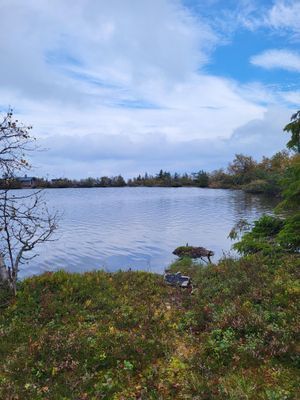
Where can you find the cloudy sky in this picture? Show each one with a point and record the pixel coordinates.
(128, 86)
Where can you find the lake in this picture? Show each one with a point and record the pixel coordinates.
(138, 228)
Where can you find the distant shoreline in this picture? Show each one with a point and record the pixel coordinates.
(123, 187)
(244, 173)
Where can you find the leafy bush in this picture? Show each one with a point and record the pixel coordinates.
(267, 186)
(262, 237)
(289, 236)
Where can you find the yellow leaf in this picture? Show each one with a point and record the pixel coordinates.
(88, 303)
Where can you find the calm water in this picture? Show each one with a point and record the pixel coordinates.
(138, 228)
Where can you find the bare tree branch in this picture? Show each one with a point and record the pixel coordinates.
(15, 143)
(25, 221)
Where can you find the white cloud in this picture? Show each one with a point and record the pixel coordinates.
(82, 68)
(122, 84)
(292, 97)
(281, 59)
(284, 15)
(117, 43)
(113, 154)
(280, 18)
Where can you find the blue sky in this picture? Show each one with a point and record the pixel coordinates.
(232, 61)
(129, 86)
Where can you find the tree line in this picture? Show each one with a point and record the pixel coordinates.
(242, 173)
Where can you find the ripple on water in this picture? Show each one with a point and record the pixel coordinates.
(139, 228)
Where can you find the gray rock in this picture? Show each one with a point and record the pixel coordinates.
(177, 280)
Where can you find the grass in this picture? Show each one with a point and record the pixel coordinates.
(129, 336)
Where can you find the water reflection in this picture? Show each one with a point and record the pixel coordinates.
(138, 228)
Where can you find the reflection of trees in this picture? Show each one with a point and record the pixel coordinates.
(246, 203)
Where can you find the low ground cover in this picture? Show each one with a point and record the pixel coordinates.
(129, 336)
